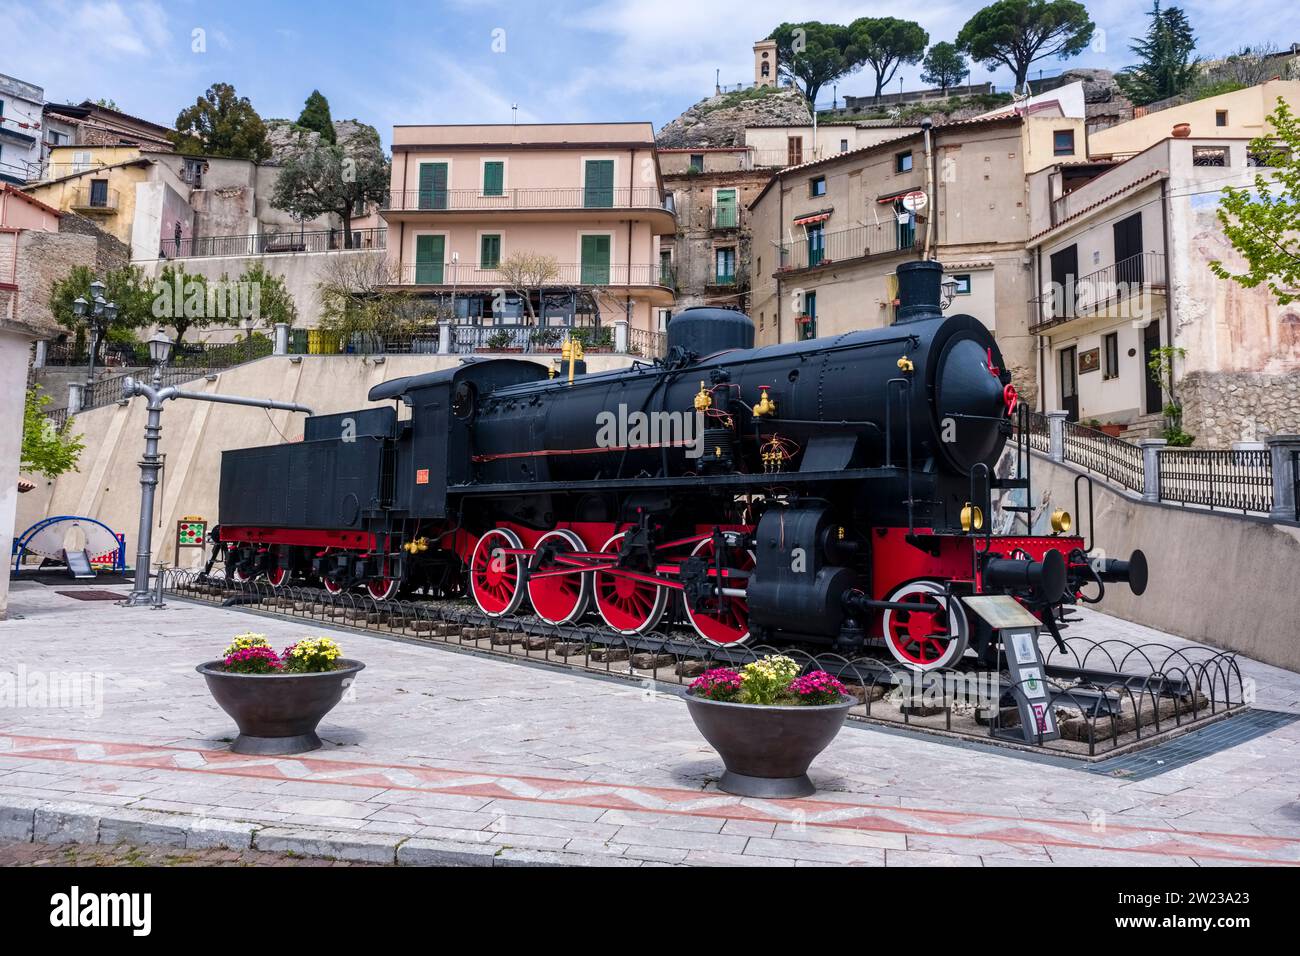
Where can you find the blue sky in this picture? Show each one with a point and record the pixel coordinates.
(462, 61)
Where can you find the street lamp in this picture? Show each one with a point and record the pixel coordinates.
(100, 315)
(160, 350)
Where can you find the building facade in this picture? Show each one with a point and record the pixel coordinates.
(546, 225)
(1122, 265)
(828, 235)
(20, 128)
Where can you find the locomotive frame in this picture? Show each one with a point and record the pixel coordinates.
(829, 491)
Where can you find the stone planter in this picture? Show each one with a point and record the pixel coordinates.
(767, 749)
(278, 713)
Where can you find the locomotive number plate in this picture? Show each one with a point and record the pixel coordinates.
(422, 476)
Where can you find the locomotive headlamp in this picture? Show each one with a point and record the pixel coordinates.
(1061, 521)
(972, 516)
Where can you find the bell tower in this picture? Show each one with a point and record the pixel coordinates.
(765, 63)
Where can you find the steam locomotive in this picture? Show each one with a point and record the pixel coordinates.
(831, 490)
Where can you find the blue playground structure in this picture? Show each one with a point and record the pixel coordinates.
(48, 538)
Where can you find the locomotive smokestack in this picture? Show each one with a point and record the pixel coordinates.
(918, 291)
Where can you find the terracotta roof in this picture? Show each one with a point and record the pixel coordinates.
(1153, 174)
(7, 188)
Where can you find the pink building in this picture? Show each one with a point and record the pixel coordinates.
(557, 221)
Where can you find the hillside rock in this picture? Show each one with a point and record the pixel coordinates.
(721, 120)
(287, 138)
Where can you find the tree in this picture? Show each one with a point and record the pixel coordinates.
(814, 54)
(944, 66)
(1248, 65)
(359, 295)
(316, 115)
(334, 179)
(46, 449)
(127, 288)
(524, 272)
(886, 43)
(1016, 33)
(221, 123)
(1263, 222)
(1167, 66)
(274, 301)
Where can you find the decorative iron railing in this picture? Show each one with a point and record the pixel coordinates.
(1090, 294)
(856, 242)
(1113, 458)
(562, 275)
(1231, 480)
(273, 243)
(1038, 432)
(646, 343)
(546, 197)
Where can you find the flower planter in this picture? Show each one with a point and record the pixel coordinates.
(277, 713)
(767, 749)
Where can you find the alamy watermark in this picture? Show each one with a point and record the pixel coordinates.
(59, 690)
(638, 429)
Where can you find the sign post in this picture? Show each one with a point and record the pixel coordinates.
(1017, 631)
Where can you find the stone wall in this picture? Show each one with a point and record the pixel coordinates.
(43, 258)
(1220, 408)
(110, 252)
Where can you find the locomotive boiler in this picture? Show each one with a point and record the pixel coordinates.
(829, 490)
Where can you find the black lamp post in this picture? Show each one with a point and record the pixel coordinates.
(99, 314)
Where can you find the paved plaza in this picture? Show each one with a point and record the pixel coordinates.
(446, 757)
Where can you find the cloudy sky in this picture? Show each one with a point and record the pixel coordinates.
(462, 61)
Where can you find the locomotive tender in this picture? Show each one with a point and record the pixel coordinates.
(829, 490)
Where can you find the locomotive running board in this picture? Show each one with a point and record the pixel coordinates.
(761, 480)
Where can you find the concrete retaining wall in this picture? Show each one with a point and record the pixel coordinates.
(1223, 580)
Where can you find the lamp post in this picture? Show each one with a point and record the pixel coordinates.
(99, 314)
(160, 349)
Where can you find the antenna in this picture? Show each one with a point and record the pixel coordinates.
(514, 114)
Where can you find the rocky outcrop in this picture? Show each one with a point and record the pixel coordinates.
(287, 138)
(721, 120)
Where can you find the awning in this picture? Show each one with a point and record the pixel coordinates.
(894, 197)
(813, 217)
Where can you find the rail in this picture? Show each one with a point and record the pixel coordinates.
(856, 242)
(1037, 432)
(531, 198)
(1086, 295)
(274, 243)
(1110, 457)
(1237, 480)
(571, 274)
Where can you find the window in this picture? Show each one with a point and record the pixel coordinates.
(725, 209)
(962, 284)
(767, 68)
(599, 183)
(903, 162)
(1063, 142)
(494, 178)
(697, 162)
(844, 146)
(1110, 355)
(433, 186)
(99, 192)
(816, 243)
(808, 320)
(665, 267)
(595, 260)
(1220, 117)
(193, 173)
(429, 253)
(817, 186)
(793, 150)
(55, 138)
(489, 251)
(1209, 156)
(725, 272)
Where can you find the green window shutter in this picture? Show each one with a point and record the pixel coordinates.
(428, 259)
(433, 186)
(494, 178)
(599, 191)
(725, 214)
(489, 255)
(595, 260)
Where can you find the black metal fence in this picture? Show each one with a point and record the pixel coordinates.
(271, 243)
(1111, 457)
(1230, 480)
(1038, 432)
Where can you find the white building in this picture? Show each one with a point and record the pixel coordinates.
(20, 128)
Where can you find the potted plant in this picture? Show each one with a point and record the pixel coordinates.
(767, 723)
(277, 700)
(498, 341)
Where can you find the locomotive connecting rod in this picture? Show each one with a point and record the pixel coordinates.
(150, 463)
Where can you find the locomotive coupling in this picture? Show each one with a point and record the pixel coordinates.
(1046, 578)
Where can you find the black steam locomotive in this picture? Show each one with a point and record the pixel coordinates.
(828, 490)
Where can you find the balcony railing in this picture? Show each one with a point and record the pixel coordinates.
(857, 242)
(565, 274)
(527, 198)
(726, 217)
(779, 158)
(94, 200)
(467, 339)
(270, 243)
(1104, 289)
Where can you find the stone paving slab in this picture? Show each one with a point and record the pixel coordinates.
(441, 758)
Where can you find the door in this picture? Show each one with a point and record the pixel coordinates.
(1065, 269)
(793, 150)
(595, 260)
(1128, 250)
(598, 186)
(1150, 343)
(816, 244)
(99, 192)
(433, 186)
(428, 259)
(1069, 377)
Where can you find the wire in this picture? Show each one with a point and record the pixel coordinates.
(282, 435)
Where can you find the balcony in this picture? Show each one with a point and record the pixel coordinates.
(1117, 291)
(272, 243)
(566, 275)
(726, 217)
(93, 201)
(532, 203)
(848, 245)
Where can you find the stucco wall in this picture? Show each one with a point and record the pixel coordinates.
(194, 434)
(1223, 580)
